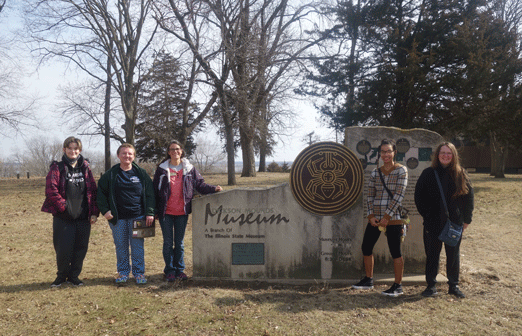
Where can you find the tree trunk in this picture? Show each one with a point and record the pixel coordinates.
(499, 156)
(231, 152)
(107, 126)
(249, 160)
(106, 114)
(262, 156)
(130, 126)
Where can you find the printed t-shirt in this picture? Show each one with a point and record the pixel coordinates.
(176, 203)
(128, 192)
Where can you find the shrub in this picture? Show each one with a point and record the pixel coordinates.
(274, 168)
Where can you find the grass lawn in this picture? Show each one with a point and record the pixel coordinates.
(491, 271)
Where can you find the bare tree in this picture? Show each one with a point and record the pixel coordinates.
(257, 41)
(311, 138)
(41, 151)
(83, 104)
(189, 25)
(207, 155)
(94, 35)
(16, 106)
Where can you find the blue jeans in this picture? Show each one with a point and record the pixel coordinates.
(173, 244)
(122, 235)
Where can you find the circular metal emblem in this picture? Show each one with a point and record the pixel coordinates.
(326, 178)
(403, 145)
(412, 163)
(363, 147)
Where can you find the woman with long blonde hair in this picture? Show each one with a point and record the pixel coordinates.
(459, 198)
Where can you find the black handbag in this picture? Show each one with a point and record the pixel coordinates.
(451, 233)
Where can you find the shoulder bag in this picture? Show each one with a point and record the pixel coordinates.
(451, 233)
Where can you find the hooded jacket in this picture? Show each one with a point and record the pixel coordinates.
(192, 179)
(55, 188)
(106, 185)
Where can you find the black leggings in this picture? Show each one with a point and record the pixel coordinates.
(372, 234)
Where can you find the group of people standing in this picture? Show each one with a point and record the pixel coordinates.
(124, 194)
(386, 190)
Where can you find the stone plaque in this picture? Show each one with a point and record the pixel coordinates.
(248, 254)
(403, 146)
(326, 178)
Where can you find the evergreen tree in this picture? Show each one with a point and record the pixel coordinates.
(399, 71)
(162, 101)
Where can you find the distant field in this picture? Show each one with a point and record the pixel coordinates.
(491, 278)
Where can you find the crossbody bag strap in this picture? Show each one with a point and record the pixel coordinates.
(384, 184)
(403, 212)
(441, 193)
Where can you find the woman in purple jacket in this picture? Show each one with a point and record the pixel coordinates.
(174, 183)
(70, 195)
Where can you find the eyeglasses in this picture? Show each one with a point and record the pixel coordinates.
(174, 149)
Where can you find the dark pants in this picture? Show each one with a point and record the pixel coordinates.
(70, 239)
(433, 247)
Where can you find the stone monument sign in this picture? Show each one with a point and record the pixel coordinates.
(301, 230)
(312, 227)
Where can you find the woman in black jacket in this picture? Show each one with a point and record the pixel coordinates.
(459, 198)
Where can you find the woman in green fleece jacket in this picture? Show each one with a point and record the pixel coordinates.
(125, 196)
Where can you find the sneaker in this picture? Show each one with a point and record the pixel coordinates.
(394, 291)
(454, 290)
(122, 278)
(182, 276)
(429, 291)
(171, 277)
(140, 279)
(75, 281)
(58, 282)
(365, 283)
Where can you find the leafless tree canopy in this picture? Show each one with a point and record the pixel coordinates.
(207, 155)
(255, 42)
(86, 33)
(16, 106)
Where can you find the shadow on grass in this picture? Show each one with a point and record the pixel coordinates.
(153, 281)
(286, 298)
(38, 286)
(297, 298)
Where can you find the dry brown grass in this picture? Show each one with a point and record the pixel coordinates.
(491, 271)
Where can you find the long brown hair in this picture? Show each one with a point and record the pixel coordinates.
(456, 171)
(167, 156)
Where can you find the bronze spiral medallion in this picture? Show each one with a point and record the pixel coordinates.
(326, 178)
